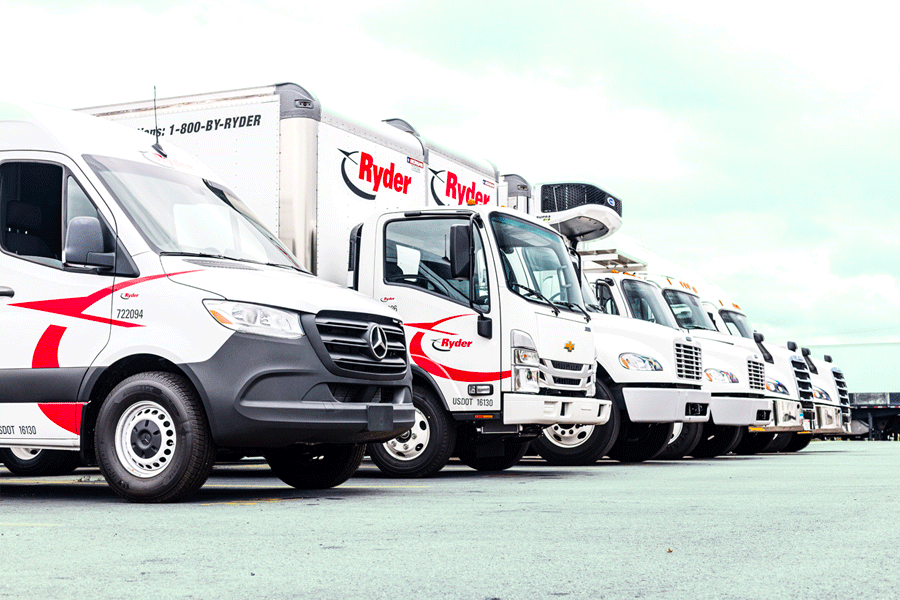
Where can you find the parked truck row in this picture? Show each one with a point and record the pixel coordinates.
(343, 287)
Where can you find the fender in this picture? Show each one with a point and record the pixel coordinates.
(421, 374)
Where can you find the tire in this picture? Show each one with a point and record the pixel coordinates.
(717, 440)
(778, 442)
(423, 450)
(753, 443)
(513, 451)
(579, 445)
(315, 466)
(683, 443)
(638, 442)
(152, 439)
(33, 462)
(797, 443)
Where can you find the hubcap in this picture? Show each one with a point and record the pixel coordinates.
(411, 444)
(568, 436)
(25, 453)
(145, 439)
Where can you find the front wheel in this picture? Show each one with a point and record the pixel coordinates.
(638, 442)
(513, 451)
(684, 438)
(798, 442)
(315, 466)
(423, 450)
(579, 445)
(34, 462)
(152, 439)
(717, 440)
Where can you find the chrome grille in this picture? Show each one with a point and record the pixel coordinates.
(802, 377)
(757, 374)
(841, 384)
(688, 361)
(344, 338)
(566, 376)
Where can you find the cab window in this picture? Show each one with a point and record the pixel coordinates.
(605, 299)
(416, 254)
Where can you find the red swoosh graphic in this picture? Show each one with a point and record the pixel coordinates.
(417, 353)
(66, 415)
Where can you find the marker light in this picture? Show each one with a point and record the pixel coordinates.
(255, 319)
(639, 362)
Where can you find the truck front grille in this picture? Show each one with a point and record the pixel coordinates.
(802, 377)
(841, 384)
(757, 374)
(567, 377)
(688, 361)
(345, 340)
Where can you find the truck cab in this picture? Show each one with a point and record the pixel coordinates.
(148, 320)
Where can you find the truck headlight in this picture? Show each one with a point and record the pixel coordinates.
(820, 394)
(775, 386)
(255, 318)
(525, 356)
(639, 362)
(526, 380)
(719, 376)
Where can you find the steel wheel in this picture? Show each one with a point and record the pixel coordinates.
(410, 444)
(145, 439)
(25, 453)
(568, 436)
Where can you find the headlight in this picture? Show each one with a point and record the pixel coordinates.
(638, 362)
(255, 318)
(775, 386)
(820, 394)
(719, 376)
(526, 380)
(523, 356)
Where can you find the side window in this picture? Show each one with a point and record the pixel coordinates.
(605, 299)
(416, 254)
(37, 201)
(31, 210)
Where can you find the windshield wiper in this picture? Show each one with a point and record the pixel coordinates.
(576, 306)
(198, 254)
(536, 295)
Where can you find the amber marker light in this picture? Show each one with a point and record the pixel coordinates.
(220, 317)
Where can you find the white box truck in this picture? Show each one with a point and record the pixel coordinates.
(498, 337)
(148, 319)
(652, 372)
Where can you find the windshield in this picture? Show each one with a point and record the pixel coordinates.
(180, 213)
(536, 262)
(737, 323)
(687, 310)
(646, 303)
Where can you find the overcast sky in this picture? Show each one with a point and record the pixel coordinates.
(758, 145)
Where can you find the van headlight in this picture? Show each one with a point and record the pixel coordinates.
(526, 375)
(255, 318)
(775, 386)
(720, 376)
(639, 362)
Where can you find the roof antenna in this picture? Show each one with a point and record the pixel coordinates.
(156, 146)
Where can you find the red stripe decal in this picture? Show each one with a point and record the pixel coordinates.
(445, 372)
(67, 415)
(46, 354)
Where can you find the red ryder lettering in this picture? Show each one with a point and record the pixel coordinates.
(462, 193)
(385, 177)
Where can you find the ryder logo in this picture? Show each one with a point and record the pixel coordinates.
(375, 176)
(463, 193)
(446, 345)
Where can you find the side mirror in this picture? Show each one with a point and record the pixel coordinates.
(758, 337)
(792, 346)
(460, 251)
(84, 244)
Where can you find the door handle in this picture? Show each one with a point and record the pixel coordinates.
(8, 292)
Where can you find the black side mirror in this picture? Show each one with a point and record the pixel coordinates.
(792, 346)
(84, 244)
(758, 337)
(460, 251)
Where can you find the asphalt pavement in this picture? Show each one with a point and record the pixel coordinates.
(821, 523)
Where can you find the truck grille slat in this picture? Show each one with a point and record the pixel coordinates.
(757, 375)
(841, 383)
(802, 378)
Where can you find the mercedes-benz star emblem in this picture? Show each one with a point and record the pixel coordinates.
(378, 346)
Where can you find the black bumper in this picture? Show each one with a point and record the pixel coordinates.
(262, 392)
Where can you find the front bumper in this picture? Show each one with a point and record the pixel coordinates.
(740, 411)
(829, 420)
(788, 416)
(267, 393)
(665, 405)
(535, 409)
